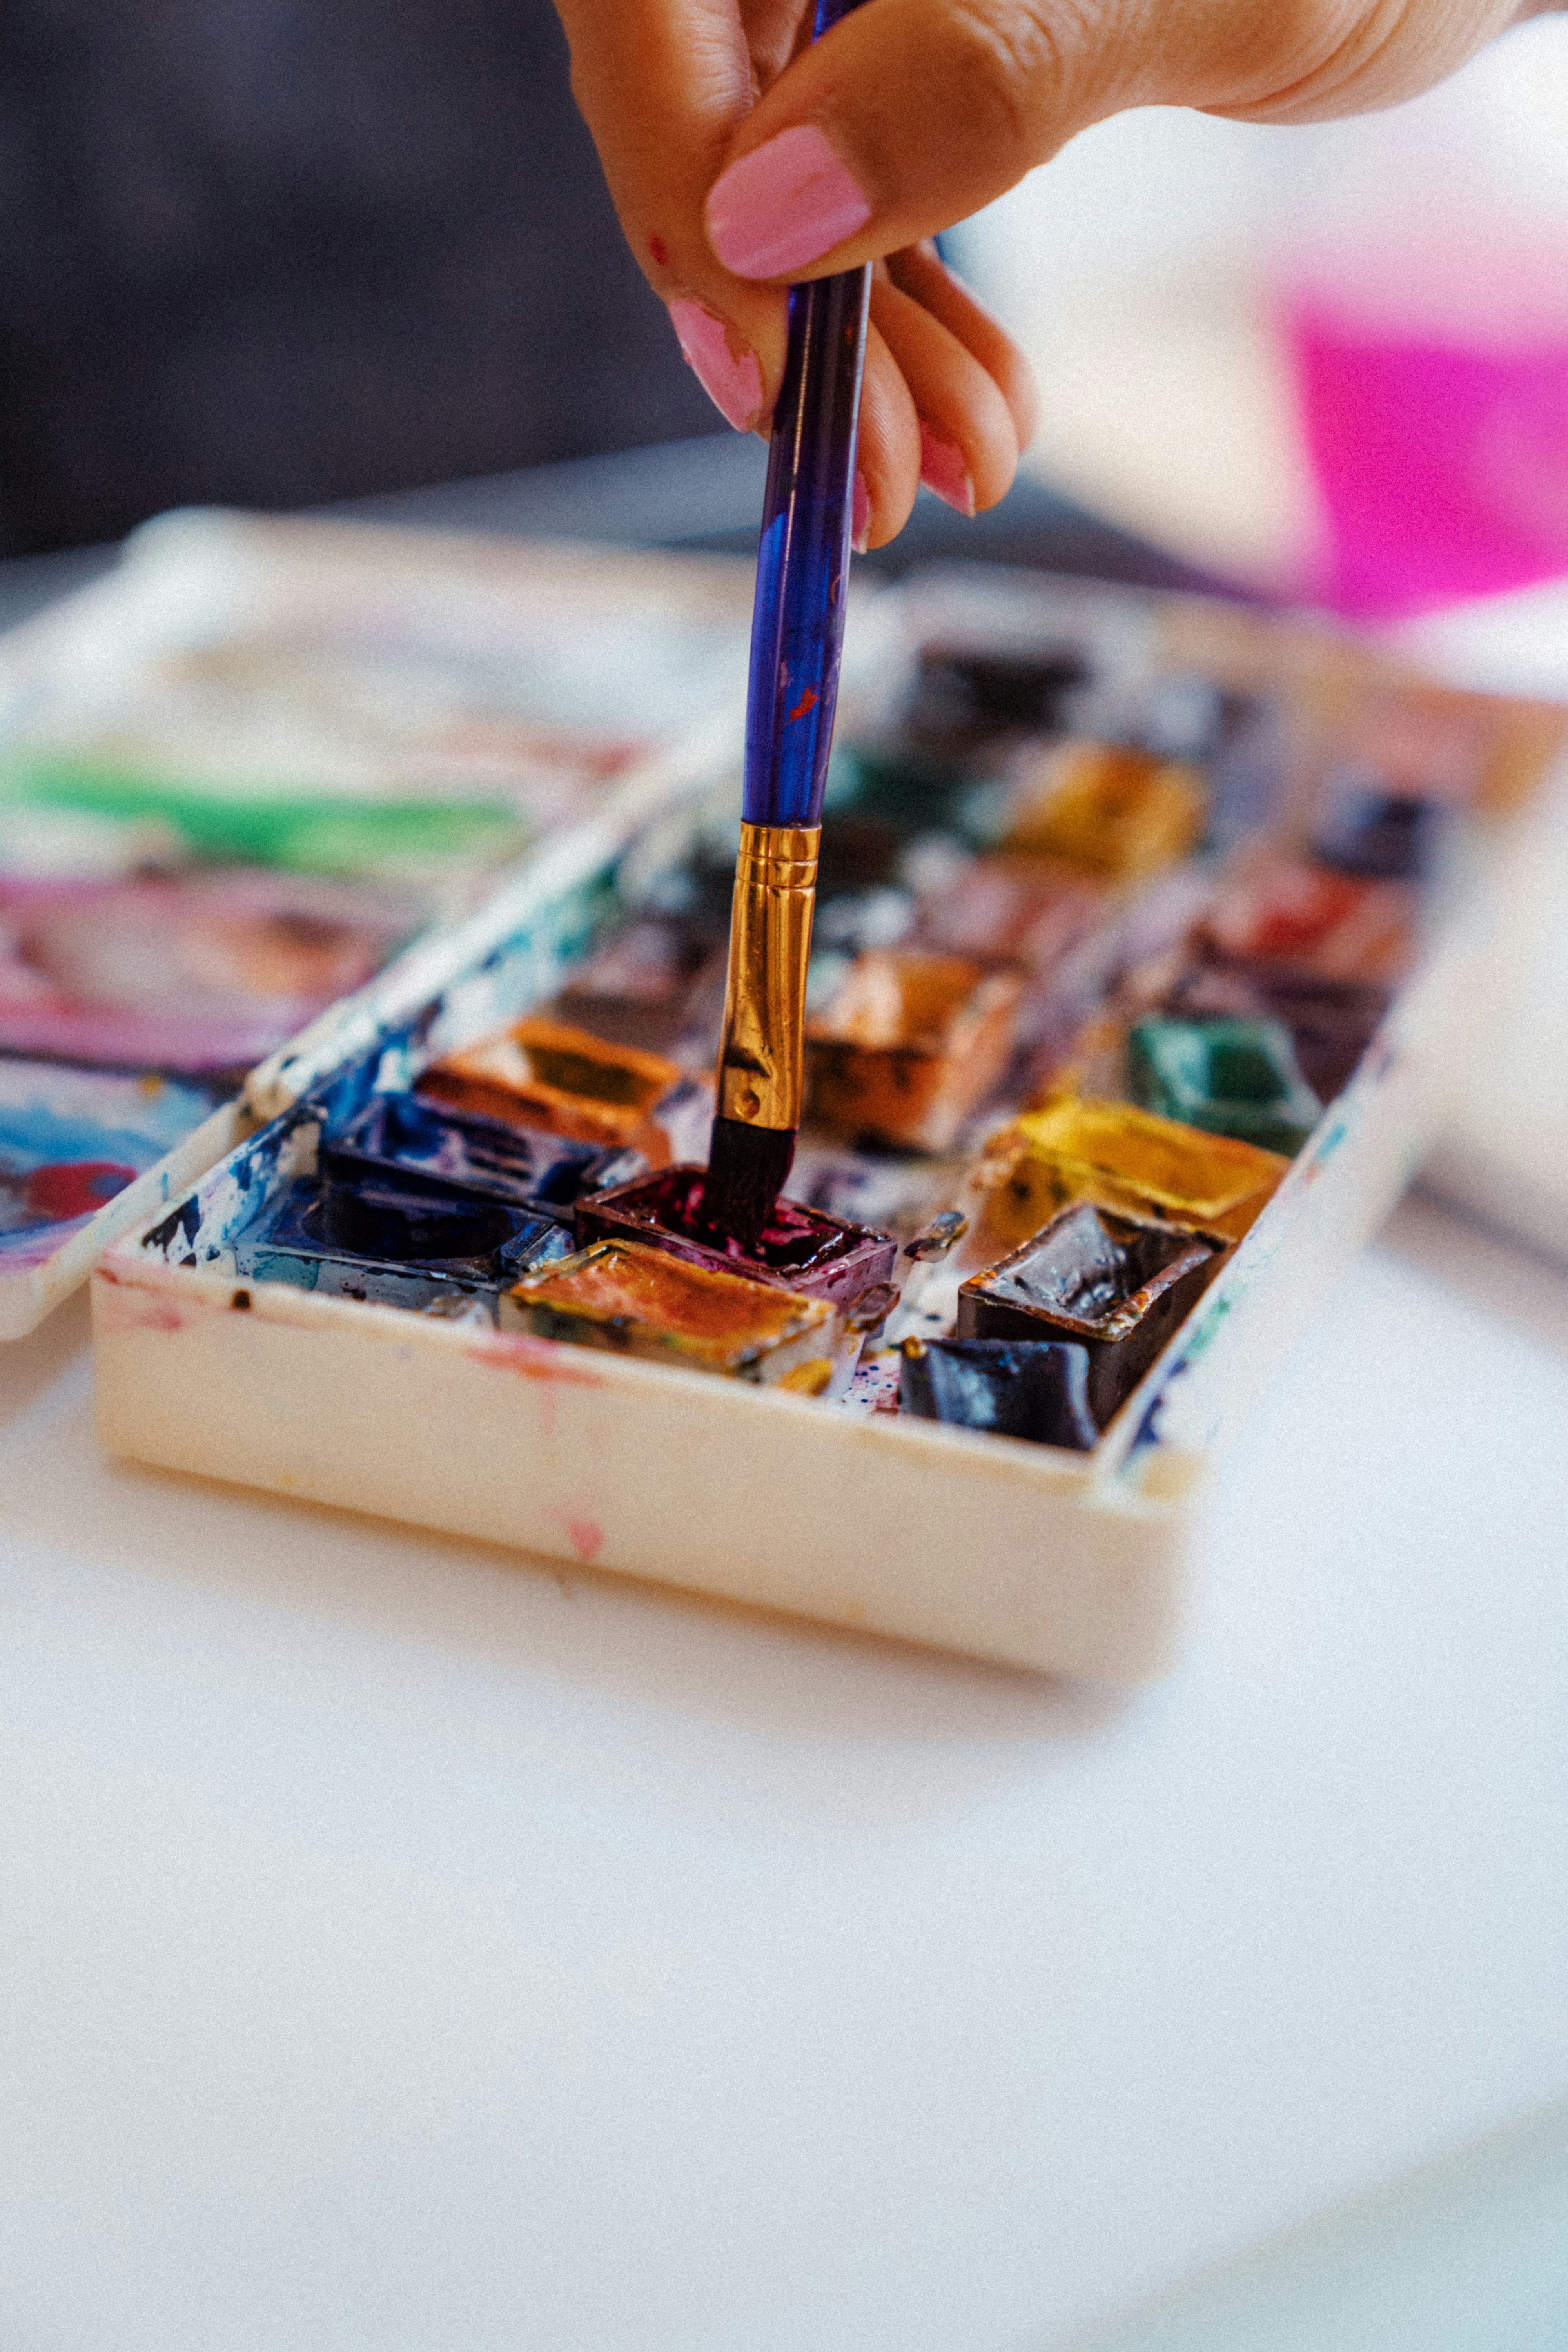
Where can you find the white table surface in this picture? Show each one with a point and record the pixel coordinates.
(407, 1946)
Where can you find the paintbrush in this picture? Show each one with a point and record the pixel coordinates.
(797, 637)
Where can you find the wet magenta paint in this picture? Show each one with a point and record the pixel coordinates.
(799, 1248)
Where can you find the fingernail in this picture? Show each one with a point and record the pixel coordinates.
(860, 515)
(783, 204)
(942, 470)
(724, 364)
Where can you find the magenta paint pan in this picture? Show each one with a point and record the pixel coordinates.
(801, 1249)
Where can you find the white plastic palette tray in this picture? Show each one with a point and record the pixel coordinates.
(250, 655)
(1075, 1563)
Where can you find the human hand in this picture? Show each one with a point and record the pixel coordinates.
(741, 156)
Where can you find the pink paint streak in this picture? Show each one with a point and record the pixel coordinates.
(535, 1359)
(123, 1307)
(585, 1535)
(724, 364)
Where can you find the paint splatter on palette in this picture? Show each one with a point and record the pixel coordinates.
(243, 775)
(195, 974)
(72, 1140)
(1141, 967)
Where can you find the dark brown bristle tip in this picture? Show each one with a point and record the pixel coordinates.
(747, 1166)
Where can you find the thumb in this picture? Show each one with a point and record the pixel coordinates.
(911, 114)
(907, 115)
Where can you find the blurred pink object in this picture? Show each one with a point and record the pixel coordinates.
(1434, 391)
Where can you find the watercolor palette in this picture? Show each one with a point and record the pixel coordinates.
(245, 773)
(1131, 1019)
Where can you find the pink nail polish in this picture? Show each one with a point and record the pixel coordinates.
(783, 204)
(860, 515)
(726, 367)
(942, 470)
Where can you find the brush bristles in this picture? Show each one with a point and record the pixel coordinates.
(747, 1166)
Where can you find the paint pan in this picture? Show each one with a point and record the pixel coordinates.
(1024, 910)
(1106, 808)
(918, 786)
(1033, 1389)
(403, 1138)
(637, 1301)
(1289, 910)
(800, 1248)
(971, 692)
(1236, 1077)
(1125, 1159)
(549, 1074)
(1116, 1286)
(658, 986)
(1384, 836)
(908, 1048)
(393, 1246)
(1331, 1022)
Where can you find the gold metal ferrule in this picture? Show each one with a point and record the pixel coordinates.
(761, 1060)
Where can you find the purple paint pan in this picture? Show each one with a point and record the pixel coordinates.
(800, 1249)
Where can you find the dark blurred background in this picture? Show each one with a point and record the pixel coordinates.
(279, 252)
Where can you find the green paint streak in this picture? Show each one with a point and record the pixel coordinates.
(309, 833)
(1207, 1331)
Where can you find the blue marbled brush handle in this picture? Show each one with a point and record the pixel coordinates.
(803, 563)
